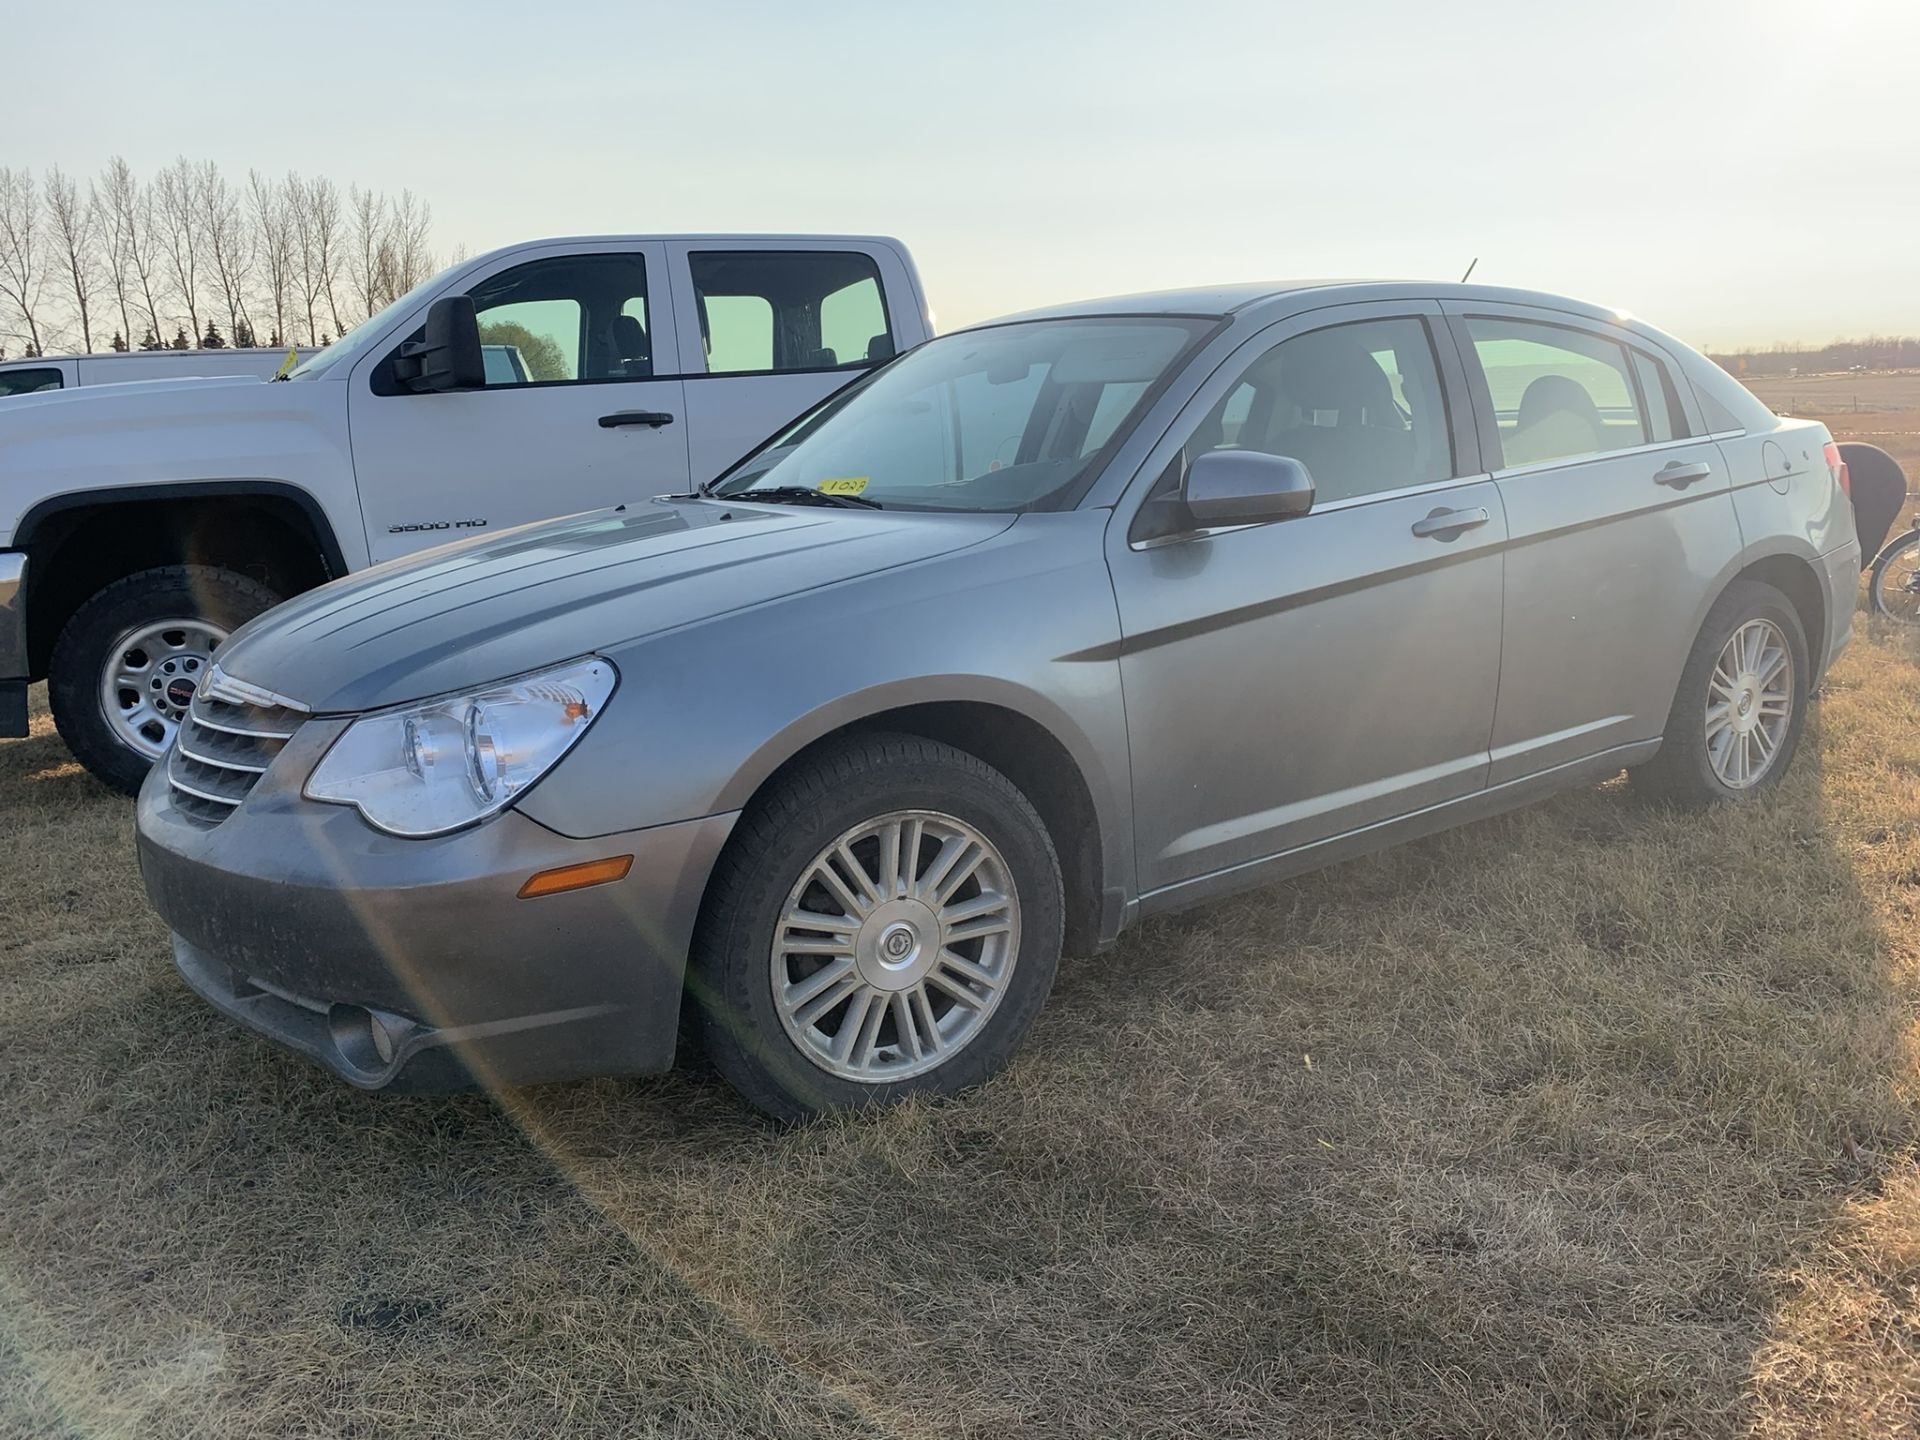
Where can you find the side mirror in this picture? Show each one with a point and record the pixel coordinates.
(448, 357)
(1246, 487)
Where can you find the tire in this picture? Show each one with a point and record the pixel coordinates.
(779, 1057)
(207, 601)
(1684, 770)
(1895, 568)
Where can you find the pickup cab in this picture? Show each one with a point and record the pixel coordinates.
(141, 524)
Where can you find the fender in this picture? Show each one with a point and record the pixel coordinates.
(43, 510)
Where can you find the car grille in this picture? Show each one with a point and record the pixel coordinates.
(222, 749)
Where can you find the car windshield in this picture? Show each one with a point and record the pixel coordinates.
(368, 330)
(1010, 417)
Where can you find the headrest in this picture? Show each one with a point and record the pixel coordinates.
(629, 338)
(1331, 373)
(879, 348)
(1557, 395)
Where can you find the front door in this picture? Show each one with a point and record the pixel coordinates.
(1293, 681)
(572, 417)
(1621, 519)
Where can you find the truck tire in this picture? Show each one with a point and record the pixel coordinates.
(125, 664)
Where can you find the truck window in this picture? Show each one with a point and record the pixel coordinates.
(570, 318)
(29, 382)
(779, 310)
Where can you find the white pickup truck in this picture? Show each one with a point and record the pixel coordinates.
(140, 524)
(40, 374)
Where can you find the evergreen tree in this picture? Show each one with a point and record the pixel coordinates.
(275, 341)
(325, 339)
(119, 346)
(180, 340)
(32, 352)
(151, 341)
(243, 334)
(213, 339)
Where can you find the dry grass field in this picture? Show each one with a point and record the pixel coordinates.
(1594, 1120)
(1879, 407)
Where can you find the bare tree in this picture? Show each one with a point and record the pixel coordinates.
(180, 234)
(272, 225)
(231, 244)
(412, 223)
(328, 233)
(133, 242)
(75, 233)
(367, 215)
(20, 274)
(110, 219)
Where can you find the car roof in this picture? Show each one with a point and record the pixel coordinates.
(1282, 296)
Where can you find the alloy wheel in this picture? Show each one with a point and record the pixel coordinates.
(895, 946)
(1749, 704)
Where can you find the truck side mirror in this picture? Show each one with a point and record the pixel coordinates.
(448, 356)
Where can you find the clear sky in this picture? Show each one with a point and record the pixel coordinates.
(1736, 171)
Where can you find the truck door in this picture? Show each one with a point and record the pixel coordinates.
(771, 327)
(575, 413)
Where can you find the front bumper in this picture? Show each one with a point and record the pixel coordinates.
(15, 669)
(412, 964)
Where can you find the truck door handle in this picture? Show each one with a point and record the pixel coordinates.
(652, 419)
(1680, 474)
(1445, 524)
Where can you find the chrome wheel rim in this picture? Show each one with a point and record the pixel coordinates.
(1749, 704)
(147, 681)
(895, 946)
(1896, 590)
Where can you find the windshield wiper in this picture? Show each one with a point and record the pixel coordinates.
(801, 495)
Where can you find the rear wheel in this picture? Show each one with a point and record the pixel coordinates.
(1893, 586)
(1737, 717)
(885, 922)
(125, 666)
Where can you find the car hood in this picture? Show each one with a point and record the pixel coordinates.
(480, 610)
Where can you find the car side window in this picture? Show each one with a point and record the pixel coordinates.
(1665, 419)
(1559, 393)
(775, 310)
(570, 318)
(29, 382)
(1360, 405)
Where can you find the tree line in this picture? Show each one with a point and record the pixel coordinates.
(1875, 352)
(165, 263)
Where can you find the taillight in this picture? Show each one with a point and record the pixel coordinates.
(1837, 468)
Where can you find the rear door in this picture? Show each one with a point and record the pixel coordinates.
(1289, 682)
(770, 328)
(1620, 521)
(575, 413)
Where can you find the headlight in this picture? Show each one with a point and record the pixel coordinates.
(430, 768)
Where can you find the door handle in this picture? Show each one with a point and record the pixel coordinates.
(652, 419)
(1680, 474)
(1445, 524)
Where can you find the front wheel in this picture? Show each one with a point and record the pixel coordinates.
(124, 668)
(885, 922)
(1737, 717)
(1893, 586)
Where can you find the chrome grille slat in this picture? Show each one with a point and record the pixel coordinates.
(220, 752)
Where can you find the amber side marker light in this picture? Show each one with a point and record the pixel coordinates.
(577, 877)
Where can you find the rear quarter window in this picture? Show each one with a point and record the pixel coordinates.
(1725, 403)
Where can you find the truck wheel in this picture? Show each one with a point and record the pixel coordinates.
(1742, 703)
(885, 922)
(124, 667)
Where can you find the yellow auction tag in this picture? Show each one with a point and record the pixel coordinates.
(847, 485)
(293, 359)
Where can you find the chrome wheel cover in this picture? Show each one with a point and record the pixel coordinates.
(1749, 704)
(895, 946)
(148, 677)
